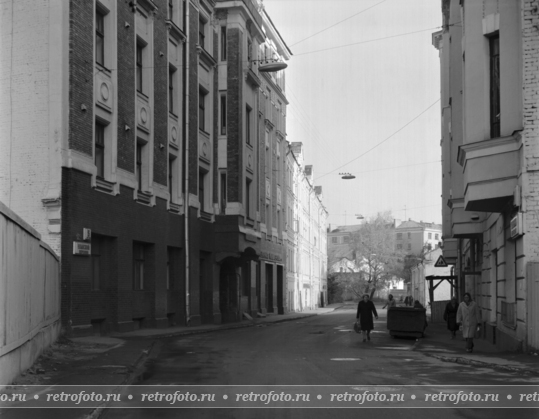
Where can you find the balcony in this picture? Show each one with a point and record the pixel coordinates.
(465, 224)
(450, 250)
(490, 172)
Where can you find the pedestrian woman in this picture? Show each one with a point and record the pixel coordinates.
(365, 310)
(469, 315)
(450, 316)
(390, 302)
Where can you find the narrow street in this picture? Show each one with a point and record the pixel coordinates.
(321, 350)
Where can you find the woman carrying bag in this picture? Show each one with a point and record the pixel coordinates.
(365, 310)
(469, 315)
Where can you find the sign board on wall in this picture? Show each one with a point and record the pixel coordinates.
(82, 248)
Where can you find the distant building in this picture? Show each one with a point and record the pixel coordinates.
(412, 237)
(341, 255)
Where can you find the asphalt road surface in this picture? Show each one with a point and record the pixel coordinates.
(317, 351)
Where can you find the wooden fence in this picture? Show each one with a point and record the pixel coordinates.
(29, 295)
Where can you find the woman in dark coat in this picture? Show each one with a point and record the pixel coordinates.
(365, 310)
(450, 316)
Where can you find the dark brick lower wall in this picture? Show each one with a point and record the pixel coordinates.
(119, 221)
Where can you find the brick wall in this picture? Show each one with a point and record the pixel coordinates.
(160, 73)
(530, 183)
(126, 88)
(122, 221)
(81, 76)
(193, 100)
(234, 109)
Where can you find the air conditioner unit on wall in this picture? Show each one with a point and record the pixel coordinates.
(516, 226)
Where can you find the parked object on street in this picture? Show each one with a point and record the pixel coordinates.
(450, 316)
(469, 315)
(407, 321)
(365, 311)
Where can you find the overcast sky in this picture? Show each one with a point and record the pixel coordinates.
(347, 99)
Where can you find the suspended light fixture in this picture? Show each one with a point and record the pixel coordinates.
(346, 176)
(271, 66)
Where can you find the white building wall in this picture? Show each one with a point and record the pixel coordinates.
(33, 111)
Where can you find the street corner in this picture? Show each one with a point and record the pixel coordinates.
(63, 357)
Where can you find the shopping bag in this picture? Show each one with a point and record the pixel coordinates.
(357, 329)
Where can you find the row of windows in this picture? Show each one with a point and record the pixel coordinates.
(436, 236)
(143, 259)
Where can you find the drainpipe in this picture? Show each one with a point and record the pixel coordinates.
(186, 163)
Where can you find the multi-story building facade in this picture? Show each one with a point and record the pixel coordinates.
(412, 237)
(488, 54)
(150, 152)
(308, 218)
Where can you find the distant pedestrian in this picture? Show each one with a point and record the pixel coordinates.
(408, 300)
(390, 302)
(365, 310)
(417, 304)
(469, 315)
(450, 316)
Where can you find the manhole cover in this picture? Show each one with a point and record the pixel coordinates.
(345, 359)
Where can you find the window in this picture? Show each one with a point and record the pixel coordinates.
(171, 10)
(409, 235)
(170, 268)
(99, 153)
(249, 51)
(346, 239)
(202, 109)
(430, 236)
(399, 246)
(171, 176)
(223, 43)
(100, 37)
(140, 147)
(494, 49)
(171, 87)
(138, 266)
(223, 114)
(201, 191)
(399, 236)
(334, 240)
(436, 237)
(409, 246)
(202, 33)
(139, 59)
(248, 125)
(248, 198)
(95, 264)
(223, 193)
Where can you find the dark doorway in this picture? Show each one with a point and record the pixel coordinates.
(228, 292)
(280, 290)
(269, 288)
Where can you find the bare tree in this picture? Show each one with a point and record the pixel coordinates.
(374, 246)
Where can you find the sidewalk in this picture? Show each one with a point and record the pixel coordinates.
(438, 344)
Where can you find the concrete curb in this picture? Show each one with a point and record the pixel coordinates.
(220, 328)
(129, 379)
(466, 361)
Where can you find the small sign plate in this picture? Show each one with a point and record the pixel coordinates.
(82, 248)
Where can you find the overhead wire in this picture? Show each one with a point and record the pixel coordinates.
(383, 141)
(338, 23)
